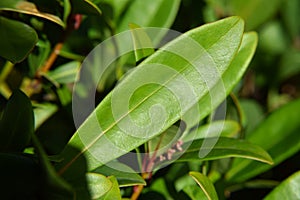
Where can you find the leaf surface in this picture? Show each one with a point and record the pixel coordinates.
(167, 84)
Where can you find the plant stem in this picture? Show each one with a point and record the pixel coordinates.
(240, 113)
(51, 59)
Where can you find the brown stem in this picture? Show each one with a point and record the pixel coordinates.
(51, 59)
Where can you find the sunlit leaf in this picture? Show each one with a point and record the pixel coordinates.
(122, 137)
(288, 189)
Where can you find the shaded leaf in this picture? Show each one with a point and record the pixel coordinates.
(99, 185)
(15, 47)
(281, 140)
(123, 173)
(42, 112)
(205, 184)
(17, 123)
(65, 73)
(85, 7)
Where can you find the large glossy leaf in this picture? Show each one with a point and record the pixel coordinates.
(224, 148)
(205, 184)
(281, 140)
(28, 8)
(17, 123)
(149, 13)
(120, 122)
(288, 189)
(232, 75)
(15, 46)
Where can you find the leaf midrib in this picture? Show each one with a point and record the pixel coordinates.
(142, 101)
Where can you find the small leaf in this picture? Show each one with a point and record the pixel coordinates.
(281, 140)
(143, 46)
(17, 123)
(28, 8)
(123, 173)
(288, 189)
(205, 184)
(65, 73)
(114, 193)
(224, 148)
(99, 185)
(42, 112)
(15, 47)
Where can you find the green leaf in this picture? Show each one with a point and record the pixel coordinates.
(17, 123)
(114, 192)
(214, 129)
(224, 148)
(205, 184)
(28, 8)
(149, 13)
(214, 44)
(85, 7)
(99, 185)
(254, 12)
(125, 175)
(231, 76)
(15, 47)
(54, 187)
(288, 189)
(194, 193)
(65, 73)
(281, 140)
(42, 112)
(143, 46)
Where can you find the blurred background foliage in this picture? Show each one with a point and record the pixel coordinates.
(44, 42)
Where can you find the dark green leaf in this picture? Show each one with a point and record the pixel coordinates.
(85, 7)
(278, 134)
(123, 173)
(17, 123)
(205, 184)
(15, 46)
